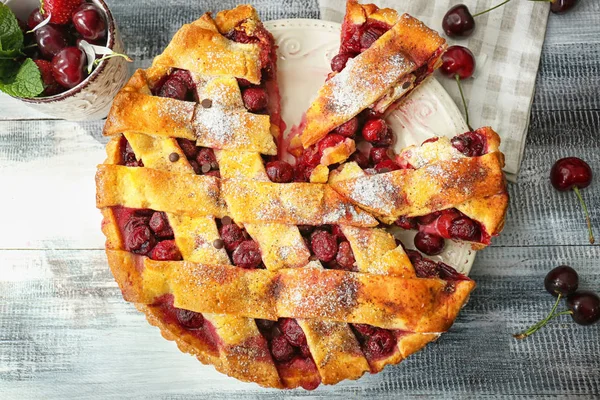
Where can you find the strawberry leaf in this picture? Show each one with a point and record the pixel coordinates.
(26, 82)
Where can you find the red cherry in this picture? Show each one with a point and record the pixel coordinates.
(280, 172)
(232, 236)
(247, 255)
(338, 63)
(34, 18)
(379, 154)
(359, 158)
(370, 36)
(89, 22)
(375, 130)
(429, 243)
(68, 67)
(189, 319)
(166, 251)
(292, 332)
(568, 173)
(255, 99)
(458, 21)
(458, 60)
(348, 128)
(50, 41)
(386, 166)
(573, 173)
(189, 148)
(345, 256)
(585, 307)
(324, 245)
(465, 228)
(561, 6)
(281, 349)
(330, 140)
(561, 280)
(405, 222)
(160, 225)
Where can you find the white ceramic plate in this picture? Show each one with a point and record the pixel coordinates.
(306, 47)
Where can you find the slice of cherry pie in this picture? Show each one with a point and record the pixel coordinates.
(270, 278)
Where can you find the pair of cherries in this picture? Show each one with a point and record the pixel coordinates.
(458, 62)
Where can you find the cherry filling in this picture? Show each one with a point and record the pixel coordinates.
(178, 85)
(147, 232)
(201, 159)
(449, 224)
(243, 251)
(128, 157)
(426, 268)
(356, 39)
(376, 343)
(192, 322)
(328, 244)
(471, 144)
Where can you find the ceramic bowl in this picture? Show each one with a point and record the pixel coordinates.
(92, 98)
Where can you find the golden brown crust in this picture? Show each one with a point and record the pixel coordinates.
(431, 188)
(411, 304)
(292, 203)
(408, 45)
(197, 195)
(200, 48)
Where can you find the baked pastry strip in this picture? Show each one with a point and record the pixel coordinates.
(382, 301)
(199, 47)
(431, 188)
(292, 203)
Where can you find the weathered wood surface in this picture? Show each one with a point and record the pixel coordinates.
(65, 332)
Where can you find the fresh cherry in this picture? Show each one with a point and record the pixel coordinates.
(561, 280)
(584, 307)
(35, 18)
(458, 21)
(50, 41)
(68, 67)
(458, 61)
(89, 22)
(573, 173)
(280, 172)
(429, 243)
(561, 6)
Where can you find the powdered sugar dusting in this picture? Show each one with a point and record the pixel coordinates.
(361, 82)
(376, 192)
(217, 127)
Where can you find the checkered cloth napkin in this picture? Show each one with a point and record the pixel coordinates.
(507, 43)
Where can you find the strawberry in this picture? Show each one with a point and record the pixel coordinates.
(51, 87)
(60, 11)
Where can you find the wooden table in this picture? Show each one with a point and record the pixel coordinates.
(65, 331)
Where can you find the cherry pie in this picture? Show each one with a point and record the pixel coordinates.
(279, 274)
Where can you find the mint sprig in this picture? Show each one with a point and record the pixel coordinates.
(17, 78)
(27, 82)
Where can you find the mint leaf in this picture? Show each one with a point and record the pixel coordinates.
(27, 82)
(11, 37)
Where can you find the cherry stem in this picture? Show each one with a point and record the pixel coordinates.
(534, 328)
(493, 8)
(462, 96)
(587, 215)
(113, 55)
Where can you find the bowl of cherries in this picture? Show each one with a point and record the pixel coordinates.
(61, 57)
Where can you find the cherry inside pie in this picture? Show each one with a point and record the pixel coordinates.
(286, 275)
